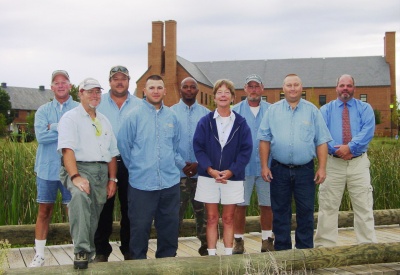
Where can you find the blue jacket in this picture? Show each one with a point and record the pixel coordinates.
(234, 156)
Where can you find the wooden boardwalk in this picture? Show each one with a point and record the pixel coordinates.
(63, 254)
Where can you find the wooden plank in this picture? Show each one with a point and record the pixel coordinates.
(392, 266)
(14, 258)
(116, 252)
(59, 254)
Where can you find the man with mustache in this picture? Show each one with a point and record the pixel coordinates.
(114, 105)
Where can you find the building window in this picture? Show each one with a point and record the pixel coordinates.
(264, 98)
(281, 95)
(322, 100)
(363, 97)
(206, 97)
(303, 95)
(201, 97)
(210, 100)
(16, 113)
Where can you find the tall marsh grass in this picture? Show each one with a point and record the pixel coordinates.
(18, 182)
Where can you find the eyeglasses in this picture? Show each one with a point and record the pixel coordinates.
(117, 69)
(93, 92)
(223, 93)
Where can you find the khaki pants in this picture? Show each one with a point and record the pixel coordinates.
(84, 209)
(355, 174)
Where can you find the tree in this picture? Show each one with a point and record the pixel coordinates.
(5, 106)
(3, 125)
(74, 93)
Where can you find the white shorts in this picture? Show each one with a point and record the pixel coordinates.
(209, 191)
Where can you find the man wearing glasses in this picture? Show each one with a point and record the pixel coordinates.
(89, 149)
(48, 161)
(114, 105)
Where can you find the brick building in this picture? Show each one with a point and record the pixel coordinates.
(374, 75)
(24, 101)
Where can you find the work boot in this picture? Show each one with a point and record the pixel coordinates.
(267, 245)
(81, 260)
(100, 258)
(239, 246)
(127, 256)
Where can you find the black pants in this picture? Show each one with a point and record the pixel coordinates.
(104, 229)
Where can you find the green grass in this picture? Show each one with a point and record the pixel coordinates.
(18, 182)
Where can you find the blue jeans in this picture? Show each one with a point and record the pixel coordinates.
(163, 207)
(299, 183)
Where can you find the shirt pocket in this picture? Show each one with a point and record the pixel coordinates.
(168, 133)
(306, 132)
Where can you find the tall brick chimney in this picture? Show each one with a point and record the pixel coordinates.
(156, 48)
(390, 57)
(170, 63)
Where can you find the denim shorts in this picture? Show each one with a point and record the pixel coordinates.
(47, 191)
(262, 190)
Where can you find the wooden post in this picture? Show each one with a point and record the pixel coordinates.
(59, 232)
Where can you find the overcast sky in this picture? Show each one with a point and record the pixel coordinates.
(87, 37)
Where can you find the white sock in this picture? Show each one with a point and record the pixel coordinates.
(211, 251)
(265, 234)
(238, 236)
(39, 247)
(228, 251)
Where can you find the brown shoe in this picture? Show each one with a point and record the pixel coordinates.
(267, 245)
(100, 258)
(239, 246)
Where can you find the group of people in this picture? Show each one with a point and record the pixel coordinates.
(159, 159)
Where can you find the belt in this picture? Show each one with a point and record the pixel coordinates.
(103, 162)
(290, 166)
(350, 159)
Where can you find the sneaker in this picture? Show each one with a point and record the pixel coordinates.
(37, 261)
(239, 246)
(203, 250)
(267, 245)
(81, 260)
(100, 258)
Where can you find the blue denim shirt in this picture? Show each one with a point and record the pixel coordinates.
(148, 141)
(188, 117)
(114, 114)
(362, 123)
(48, 161)
(243, 108)
(294, 133)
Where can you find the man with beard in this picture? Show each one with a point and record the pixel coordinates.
(115, 105)
(352, 125)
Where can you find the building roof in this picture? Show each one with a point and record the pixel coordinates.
(28, 98)
(314, 72)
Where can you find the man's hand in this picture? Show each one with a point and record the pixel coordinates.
(190, 169)
(320, 176)
(343, 152)
(111, 188)
(82, 184)
(266, 174)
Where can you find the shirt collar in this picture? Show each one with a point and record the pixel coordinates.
(231, 116)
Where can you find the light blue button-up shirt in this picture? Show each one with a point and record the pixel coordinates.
(188, 117)
(243, 108)
(362, 123)
(148, 141)
(294, 133)
(48, 161)
(109, 108)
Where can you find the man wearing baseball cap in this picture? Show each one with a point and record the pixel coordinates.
(115, 105)
(89, 149)
(48, 161)
(253, 109)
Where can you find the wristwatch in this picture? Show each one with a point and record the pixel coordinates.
(113, 179)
